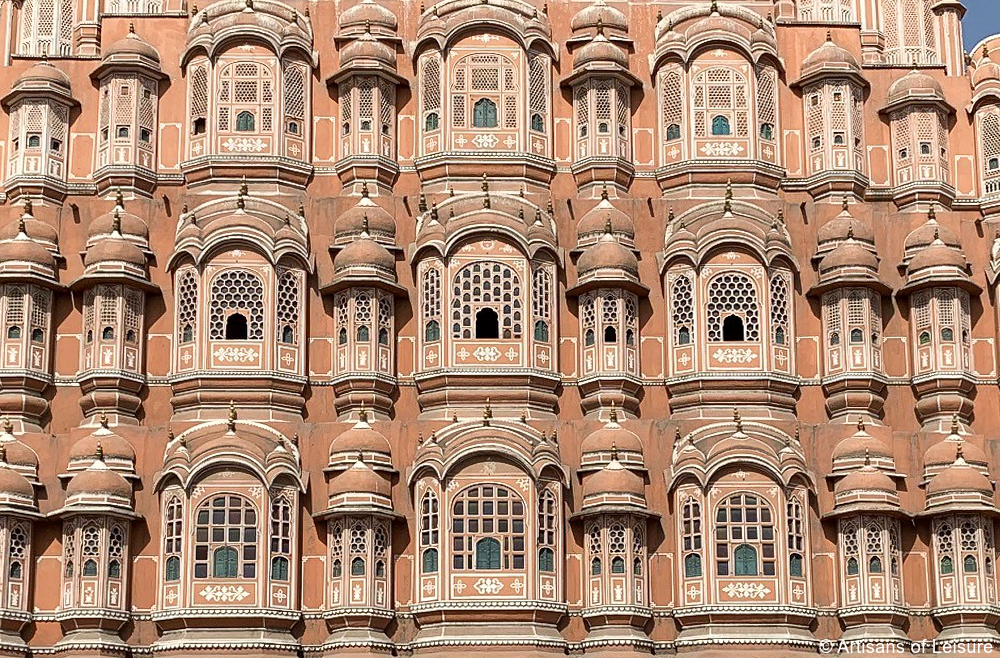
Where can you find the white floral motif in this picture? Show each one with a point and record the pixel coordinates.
(488, 586)
(245, 145)
(746, 590)
(524, 483)
(236, 354)
(735, 355)
(722, 149)
(485, 141)
(224, 593)
(487, 354)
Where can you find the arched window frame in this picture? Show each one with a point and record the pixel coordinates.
(691, 538)
(505, 521)
(988, 128)
(226, 521)
(745, 520)
(733, 293)
(237, 290)
(505, 296)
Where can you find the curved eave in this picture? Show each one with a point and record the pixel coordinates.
(40, 91)
(363, 280)
(866, 508)
(907, 101)
(444, 32)
(960, 508)
(20, 511)
(449, 245)
(200, 251)
(828, 72)
(849, 280)
(985, 93)
(619, 280)
(595, 70)
(68, 511)
(188, 472)
(366, 67)
(94, 278)
(346, 510)
(688, 49)
(140, 65)
(612, 508)
(214, 43)
(441, 464)
(935, 281)
(31, 277)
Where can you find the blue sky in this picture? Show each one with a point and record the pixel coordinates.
(982, 19)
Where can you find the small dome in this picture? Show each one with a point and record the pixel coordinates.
(13, 484)
(18, 454)
(600, 50)
(353, 221)
(98, 480)
(359, 479)
(129, 225)
(614, 479)
(608, 253)
(367, 47)
(132, 45)
(360, 439)
(842, 227)
(599, 13)
(44, 72)
(364, 252)
(929, 231)
(595, 222)
(35, 229)
(105, 443)
(937, 254)
(114, 249)
(946, 452)
(611, 438)
(866, 479)
(25, 250)
(368, 12)
(848, 255)
(861, 445)
(986, 72)
(960, 477)
(915, 84)
(829, 55)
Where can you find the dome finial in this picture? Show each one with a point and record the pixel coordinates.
(607, 226)
(937, 233)
(119, 198)
(868, 457)
(364, 189)
(954, 424)
(614, 451)
(728, 205)
(604, 191)
(850, 232)
(8, 427)
(434, 212)
(29, 207)
(613, 415)
(21, 230)
(99, 457)
(3, 455)
(487, 412)
(131, 27)
(959, 457)
(600, 25)
(845, 204)
(738, 419)
(829, 36)
(931, 214)
(422, 203)
(486, 184)
(861, 423)
(715, 7)
(363, 413)
(368, 26)
(116, 223)
(232, 416)
(104, 420)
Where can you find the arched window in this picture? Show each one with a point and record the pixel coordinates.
(236, 327)
(245, 91)
(692, 537)
(795, 565)
(430, 561)
(547, 528)
(969, 564)
(744, 536)
(358, 566)
(720, 125)
(46, 28)
(733, 295)
(875, 565)
(281, 537)
(537, 123)
(745, 560)
(172, 571)
(484, 114)
(488, 553)
(852, 566)
(546, 560)
(432, 331)
(488, 528)
(240, 291)
(187, 304)
(487, 285)
(431, 121)
(172, 536)
(595, 566)
(226, 534)
(947, 566)
(682, 309)
(429, 531)
(245, 122)
(610, 334)
(541, 331)
(673, 131)
(692, 566)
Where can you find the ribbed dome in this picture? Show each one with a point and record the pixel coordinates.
(98, 480)
(986, 72)
(946, 452)
(13, 484)
(370, 13)
(35, 229)
(915, 84)
(18, 454)
(103, 442)
(25, 250)
(959, 477)
(613, 479)
(861, 444)
(843, 226)
(354, 220)
(360, 438)
(595, 222)
(927, 232)
(937, 254)
(359, 479)
(600, 50)
(132, 45)
(599, 13)
(611, 438)
(114, 249)
(367, 47)
(848, 255)
(129, 225)
(866, 479)
(44, 72)
(829, 55)
(364, 252)
(608, 253)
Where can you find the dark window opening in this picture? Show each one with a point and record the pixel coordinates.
(14, 332)
(173, 570)
(795, 565)
(287, 335)
(618, 564)
(90, 568)
(130, 336)
(838, 139)
(55, 145)
(779, 336)
(430, 561)
(431, 121)
(488, 553)
(588, 337)
(537, 124)
(745, 557)
(732, 329)
(338, 568)
(925, 338)
(969, 565)
(293, 127)
(347, 128)
(629, 337)
(683, 336)
(852, 566)
(145, 135)
(947, 566)
(546, 560)
(122, 132)
(34, 141)
(767, 131)
(279, 568)
(383, 336)
(432, 331)
(720, 125)
(875, 565)
(245, 122)
(603, 127)
(925, 148)
(542, 331)
(236, 327)
(199, 126)
(692, 566)
(857, 336)
(363, 333)
(484, 114)
(817, 142)
(947, 334)
(993, 164)
(610, 334)
(385, 129)
(380, 569)
(487, 323)
(342, 336)
(108, 333)
(673, 131)
(226, 562)
(115, 569)
(595, 567)
(366, 125)
(358, 566)
(187, 334)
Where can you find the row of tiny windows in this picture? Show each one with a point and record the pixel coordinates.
(34, 141)
(484, 115)
(721, 127)
(488, 556)
(745, 563)
(124, 132)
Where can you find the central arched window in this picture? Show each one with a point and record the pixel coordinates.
(720, 125)
(491, 287)
(744, 537)
(488, 529)
(246, 92)
(237, 306)
(225, 542)
(733, 310)
(485, 85)
(721, 103)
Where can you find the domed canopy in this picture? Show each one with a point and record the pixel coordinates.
(368, 49)
(916, 85)
(364, 252)
(608, 253)
(360, 478)
(859, 448)
(366, 216)
(130, 226)
(926, 233)
(841, 228)
(612, 439)
(938, 264)
(594, 224)
(368, 14)
(128, 53)
(98, 489)
(117, 453)
(866, 480)
(114, 249)
(600, 51)
(18, 455)
(13, 485)
(42, 79)
(35, 229)
(848, 255)
(22, 257)
(958, 478)
(599, 13)
(362, 440)
(614, 484)
(943, 454)
(829, 60)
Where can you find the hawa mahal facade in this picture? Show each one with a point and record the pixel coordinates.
(351, 328)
